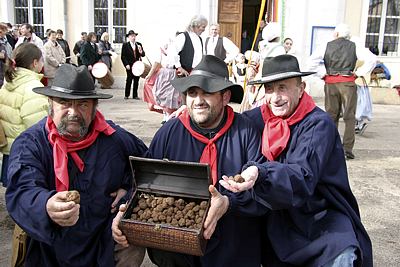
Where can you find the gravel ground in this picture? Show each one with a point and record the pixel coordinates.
(374, 174)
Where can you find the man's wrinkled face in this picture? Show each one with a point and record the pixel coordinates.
(206, 109)
(72, 117)
(200, 29)
(283, 96)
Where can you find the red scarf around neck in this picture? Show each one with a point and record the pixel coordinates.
(63, 146)
(276, 132)
(209, 154)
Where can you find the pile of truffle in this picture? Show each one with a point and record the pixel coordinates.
(169, 210)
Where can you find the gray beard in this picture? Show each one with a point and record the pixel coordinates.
(62, 127)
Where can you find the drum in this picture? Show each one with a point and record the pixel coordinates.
(99, 70)
(103, 74)
(139, 68)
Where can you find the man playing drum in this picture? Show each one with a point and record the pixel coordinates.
(132, 51)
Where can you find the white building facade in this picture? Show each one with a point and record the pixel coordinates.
(308, 22)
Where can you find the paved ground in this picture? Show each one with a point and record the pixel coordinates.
(374, 174)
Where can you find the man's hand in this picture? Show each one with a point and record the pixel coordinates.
(116, 232)
(120, 193)
(219, 206)
(127, 67)
(250, 176)
(90, 67)
(181, 72)
(62, 212)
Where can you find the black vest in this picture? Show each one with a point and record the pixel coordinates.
(187, 53)
(340, 57)
(219, 50)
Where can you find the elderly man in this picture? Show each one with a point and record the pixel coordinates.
(210, 132)
(314, 218)
(74, 148)
(220, 47)
(187, 50)
(340, 57)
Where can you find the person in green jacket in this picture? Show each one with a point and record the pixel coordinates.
(20, 107)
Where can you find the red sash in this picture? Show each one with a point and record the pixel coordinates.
(276, 132)
(63, 146)
(209, 154)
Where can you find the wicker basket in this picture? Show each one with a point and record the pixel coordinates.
(185, 180)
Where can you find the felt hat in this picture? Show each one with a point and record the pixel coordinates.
(131, 32)
(71, 82)
(211, 75)
(280, 68)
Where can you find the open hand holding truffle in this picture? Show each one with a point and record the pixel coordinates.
(240, 182)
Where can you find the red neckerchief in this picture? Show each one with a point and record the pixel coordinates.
(209, 154)
(276, 132)
(63, 146)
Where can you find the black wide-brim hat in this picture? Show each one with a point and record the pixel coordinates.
(211, 75)
(71, 82)
(131, 32)
(280, 68)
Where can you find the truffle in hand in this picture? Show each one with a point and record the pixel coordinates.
(73, 196)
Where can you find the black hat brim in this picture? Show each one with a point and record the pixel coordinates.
(280, 76)
(48, 91)
(135, 33)
(210, 85)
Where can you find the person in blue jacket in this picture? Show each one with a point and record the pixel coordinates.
(74, 148)
(314, 218)
(210, 132)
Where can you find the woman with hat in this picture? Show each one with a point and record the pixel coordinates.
(131, 52)
(271, 46)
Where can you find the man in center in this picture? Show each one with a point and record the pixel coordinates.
(210, 132)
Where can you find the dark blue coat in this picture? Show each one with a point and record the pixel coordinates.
(32, 183)
(236, 240)
(314, 214)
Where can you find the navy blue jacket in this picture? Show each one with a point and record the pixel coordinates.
(314, 214)
(236, 240)
(89, 242)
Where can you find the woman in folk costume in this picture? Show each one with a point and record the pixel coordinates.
(166, 96)
(239, 69)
